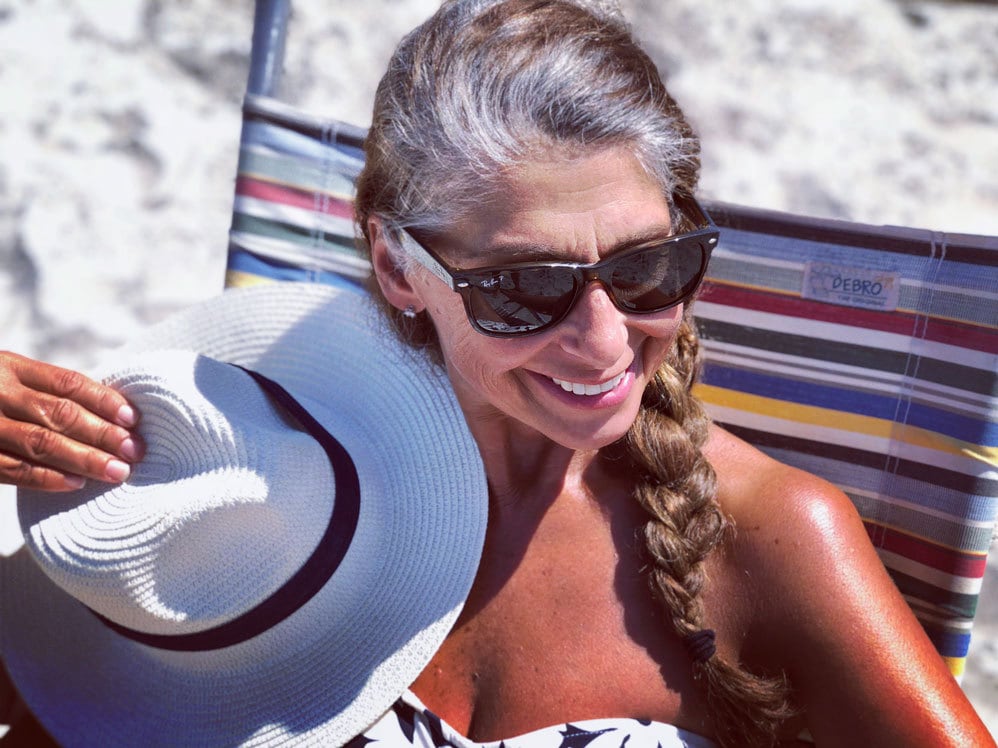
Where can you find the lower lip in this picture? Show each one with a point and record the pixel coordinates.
(603, 400)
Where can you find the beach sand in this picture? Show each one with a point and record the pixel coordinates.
(120, 122)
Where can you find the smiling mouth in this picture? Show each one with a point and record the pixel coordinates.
(577, 388)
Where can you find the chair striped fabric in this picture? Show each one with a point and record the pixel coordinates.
(292, 216)
(868, 356)
(865, 355)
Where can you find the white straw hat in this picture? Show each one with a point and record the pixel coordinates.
(250, 584)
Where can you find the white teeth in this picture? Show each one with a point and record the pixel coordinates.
(577, 388)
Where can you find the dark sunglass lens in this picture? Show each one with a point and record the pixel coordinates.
(518, 301)
(657, 277)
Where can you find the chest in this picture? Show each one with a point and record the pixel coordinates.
(561, 626)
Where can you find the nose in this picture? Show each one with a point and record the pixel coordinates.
(594, 329)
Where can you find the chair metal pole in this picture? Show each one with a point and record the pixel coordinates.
(270, 27)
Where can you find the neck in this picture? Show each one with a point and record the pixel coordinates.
(525, 468)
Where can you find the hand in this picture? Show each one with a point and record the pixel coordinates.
(59, 428)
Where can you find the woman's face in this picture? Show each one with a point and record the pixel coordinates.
(579, 210)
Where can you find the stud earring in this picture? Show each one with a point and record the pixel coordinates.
(409, 312)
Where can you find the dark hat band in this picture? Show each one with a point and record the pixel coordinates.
(303, 585)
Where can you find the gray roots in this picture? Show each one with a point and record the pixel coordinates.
(485, 85)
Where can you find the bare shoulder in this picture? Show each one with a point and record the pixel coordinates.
(786, 520)
(797, 539)
(797, 546)
(823, 610)
(781, 514)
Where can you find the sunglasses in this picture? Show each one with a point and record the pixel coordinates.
(529, 297)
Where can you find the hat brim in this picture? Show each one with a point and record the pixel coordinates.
(337, 664)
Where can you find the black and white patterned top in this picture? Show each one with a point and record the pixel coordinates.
(411, 725)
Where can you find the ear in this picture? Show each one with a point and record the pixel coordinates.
(391, 278)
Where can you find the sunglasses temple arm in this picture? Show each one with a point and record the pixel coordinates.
(414, 250)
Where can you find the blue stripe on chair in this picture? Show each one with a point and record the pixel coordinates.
(949, 643)
(242, 261)
(870, 404)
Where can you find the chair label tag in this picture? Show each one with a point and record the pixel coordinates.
(851, 286)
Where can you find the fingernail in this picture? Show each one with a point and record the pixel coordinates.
(129, 449)
(117, 470)
(127, 416)
(74, 482)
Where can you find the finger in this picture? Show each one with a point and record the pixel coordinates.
(100, 400)
(29, 449)
(70, 419)
(25, 475)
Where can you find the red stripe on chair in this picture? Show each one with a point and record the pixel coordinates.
(899, 322)
(305, 199)
(943, 559)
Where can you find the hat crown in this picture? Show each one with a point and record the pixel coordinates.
(228, 503)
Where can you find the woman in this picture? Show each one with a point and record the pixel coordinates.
(640, 562)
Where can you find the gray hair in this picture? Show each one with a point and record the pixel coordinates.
(486, 84)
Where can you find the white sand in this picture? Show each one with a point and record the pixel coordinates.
(120, 120)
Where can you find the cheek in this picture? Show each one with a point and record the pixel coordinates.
(452, 325)
(475, 360)
(466, 352)
(659, 333)
(444, 307)
(662, 325)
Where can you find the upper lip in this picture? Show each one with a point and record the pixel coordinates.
(586, 380)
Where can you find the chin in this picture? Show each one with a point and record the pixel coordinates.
(594, 439)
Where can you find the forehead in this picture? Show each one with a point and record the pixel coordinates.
(571, 207)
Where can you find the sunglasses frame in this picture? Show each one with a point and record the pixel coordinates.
(705, 235)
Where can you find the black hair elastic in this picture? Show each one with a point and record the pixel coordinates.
(700, 645)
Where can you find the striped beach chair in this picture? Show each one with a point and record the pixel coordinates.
(866, 355)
